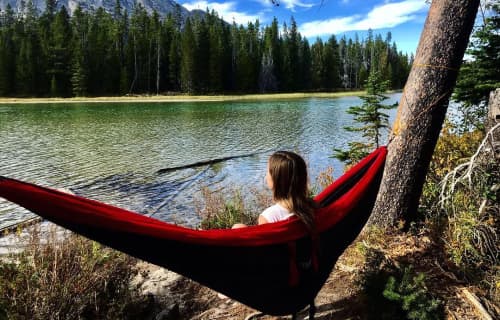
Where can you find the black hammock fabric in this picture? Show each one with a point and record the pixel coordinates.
(276, 268)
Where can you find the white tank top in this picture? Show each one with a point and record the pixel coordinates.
(276, 213)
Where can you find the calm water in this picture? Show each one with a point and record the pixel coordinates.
(112, 152)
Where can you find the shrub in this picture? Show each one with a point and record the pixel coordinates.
(323, 180)
(395, 293)
(219, 212)
(451, 149)
(408, 290)
(460, 198)
(64, 277)
(469, 200)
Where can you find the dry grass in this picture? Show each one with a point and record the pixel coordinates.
(222, 211)
(65, 276)
(181, 98)
(323, 180)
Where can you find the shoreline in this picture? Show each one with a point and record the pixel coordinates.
(181, 98)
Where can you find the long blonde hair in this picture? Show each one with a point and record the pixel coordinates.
(288, 173)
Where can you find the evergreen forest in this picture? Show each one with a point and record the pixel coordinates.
(97, 53)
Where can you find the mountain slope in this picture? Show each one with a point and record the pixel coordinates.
(163, 7)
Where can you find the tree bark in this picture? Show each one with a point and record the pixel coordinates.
(493, 109)
(422, 108)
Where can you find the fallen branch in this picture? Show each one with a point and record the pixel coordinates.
(210, 162)
(463, 172)
(474, 301)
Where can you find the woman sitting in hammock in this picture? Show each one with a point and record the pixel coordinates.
(287, 178)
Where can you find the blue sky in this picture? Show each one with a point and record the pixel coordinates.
(316, 18)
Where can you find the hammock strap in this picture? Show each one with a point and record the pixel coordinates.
(313, 261)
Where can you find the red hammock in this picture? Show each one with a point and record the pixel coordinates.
(275, 268)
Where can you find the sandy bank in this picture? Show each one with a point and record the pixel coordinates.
(180, 98)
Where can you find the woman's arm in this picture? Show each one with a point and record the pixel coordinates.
(262, 220)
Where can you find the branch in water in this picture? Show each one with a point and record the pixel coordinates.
(209, 162)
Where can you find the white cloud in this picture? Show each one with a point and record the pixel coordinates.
(226, 10)
(291, 4)
(387, 15)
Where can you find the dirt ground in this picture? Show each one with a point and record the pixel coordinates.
(340, 297)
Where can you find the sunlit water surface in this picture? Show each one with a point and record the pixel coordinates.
(112, 152)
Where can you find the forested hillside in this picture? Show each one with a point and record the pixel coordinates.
(96, 53)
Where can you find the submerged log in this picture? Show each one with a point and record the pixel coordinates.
(209, 162)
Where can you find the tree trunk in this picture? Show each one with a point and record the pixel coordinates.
(422, 108)
(493, 109)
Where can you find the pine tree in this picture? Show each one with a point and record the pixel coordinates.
(187, 71)
(305, 66)
(276, 51)
(7, 53)
(116, 49)
(480, 75)
(216, 54)
(30, 60)
(101, 53)
(140, 50)
(317, 65)
(255, 53)
(124, 48)
(268, 81)
(201, 53)
(331, 62)
(79, 77)
(61, 54)
(293, 63)
(50, 8)
(174, 57)
(371, 117)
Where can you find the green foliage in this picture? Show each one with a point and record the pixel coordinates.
(70, 277)
(60, 55)
(480, 75)
(463, 213)
(411, 294)
(396, 293)
(371, 117)
(95, 53)
(451, 149)
(356, 152)
(79, 80)
(3, 312)
(222, 213)
(188, 71)
(469, 201)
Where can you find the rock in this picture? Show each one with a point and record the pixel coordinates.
(154, 280)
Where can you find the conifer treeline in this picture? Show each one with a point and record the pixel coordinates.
(95, 53)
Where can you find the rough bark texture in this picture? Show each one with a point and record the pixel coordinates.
(493, 109)
(494, 119)
(423, 107)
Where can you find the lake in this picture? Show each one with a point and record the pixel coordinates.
(112, 152)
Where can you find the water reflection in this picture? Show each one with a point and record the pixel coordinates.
(112, 152)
